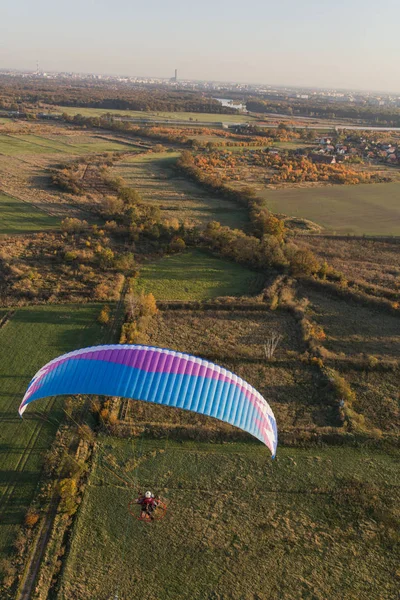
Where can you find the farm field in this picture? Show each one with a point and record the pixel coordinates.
(32, 337)
(196, 275)
(151, 115)
(238, 525)
(13, 145)
(299, 397)
(374, 261)
(371, 209)
(281, 145)
(26, 161)
(17, 216)
(353, 329)
(292, 145)
(152, 176)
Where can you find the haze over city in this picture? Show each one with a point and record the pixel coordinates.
(199, 300)
(348, 45)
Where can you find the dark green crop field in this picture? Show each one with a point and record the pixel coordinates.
(32, 337)
(17, 216)
(196, 275)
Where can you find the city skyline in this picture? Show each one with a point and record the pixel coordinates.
(182, 80)
(348, 45)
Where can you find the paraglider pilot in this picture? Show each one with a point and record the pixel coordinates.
(148, 505)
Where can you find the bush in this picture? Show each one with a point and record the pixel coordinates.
(302, 261)
(72, 225)
(68, 489)
(177, 245)
(7, 572)
(31, 517)
(148, 305)
(104, 316)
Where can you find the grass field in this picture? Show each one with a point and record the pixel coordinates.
(371, 209)
(239, 526)
(375, 261)
(353, 329)
(32, 337)
(196, 275)
(13, 145)
(151, 175)
(282, 145)
(17, 216)
(154, 116)
(235, 340)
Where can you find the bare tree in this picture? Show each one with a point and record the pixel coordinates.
(132, 303)
(271, 344)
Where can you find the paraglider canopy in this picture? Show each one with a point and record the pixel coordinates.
(160, 376)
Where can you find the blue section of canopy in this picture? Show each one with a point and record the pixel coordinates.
(161, 377)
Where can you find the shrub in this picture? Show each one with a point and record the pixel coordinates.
(68, 489)
(31, 517)
(148, 305)
(177, 245)
(302, 261)
(125, 262)
(73, 225)
(7, 572)
(104, 316)
(101, 291)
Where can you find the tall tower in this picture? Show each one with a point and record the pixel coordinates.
(176, 74)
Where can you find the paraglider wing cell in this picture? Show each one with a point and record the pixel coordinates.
(160, 376)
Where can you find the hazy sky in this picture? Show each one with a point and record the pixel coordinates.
(326, 43)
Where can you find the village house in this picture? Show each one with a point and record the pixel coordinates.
(325, 141)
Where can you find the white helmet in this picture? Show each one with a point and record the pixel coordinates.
(148, 495)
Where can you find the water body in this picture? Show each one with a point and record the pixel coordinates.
(228, 102)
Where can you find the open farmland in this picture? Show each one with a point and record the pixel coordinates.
(190, 117)
(357, 339)
(238, 525)
(17, 216)
(353, 329)
(29, 339)
(196, 275)
(377, 398)
(235, 339)
(374, 261)
(371, 209)
(27, 160)
(14, 145)
(152, 176)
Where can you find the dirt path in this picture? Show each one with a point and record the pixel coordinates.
(32, 567)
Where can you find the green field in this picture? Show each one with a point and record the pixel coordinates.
(292, 145)
(239, 526)
(154, 116)
(372, 209)
(282, 145)
(32, 337)
(12, 145)
(152, 176)
(17, 216)
(196, 275)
